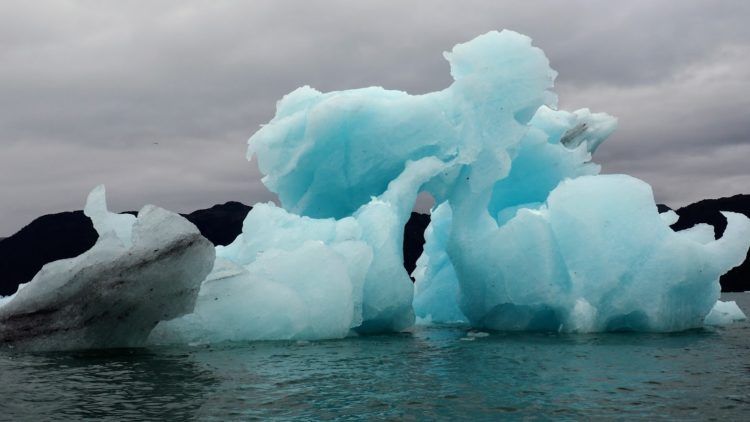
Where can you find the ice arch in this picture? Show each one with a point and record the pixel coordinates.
(526, 235)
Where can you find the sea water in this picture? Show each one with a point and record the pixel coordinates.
(430, 373)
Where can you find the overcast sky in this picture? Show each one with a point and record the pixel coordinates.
(156, 99)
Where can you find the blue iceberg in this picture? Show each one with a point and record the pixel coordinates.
(525, 233)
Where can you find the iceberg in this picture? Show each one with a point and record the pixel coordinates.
(140, 271)
(596, 256)
(725, 313)
(526, 234)
(295, 277)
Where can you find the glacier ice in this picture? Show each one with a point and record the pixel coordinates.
(285, 277)
(108, 223)
(295, 277)
(724, 313)
(140, 271)
(525, 235)
(436, 292)
(327, 154)
(575, 264)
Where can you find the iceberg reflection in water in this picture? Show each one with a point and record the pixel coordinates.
(430, 373)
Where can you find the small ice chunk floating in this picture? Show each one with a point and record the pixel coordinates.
(525, 234)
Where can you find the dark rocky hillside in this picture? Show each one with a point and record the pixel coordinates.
(68, 234)
(709, 211)
(46, 239)
(221, 223)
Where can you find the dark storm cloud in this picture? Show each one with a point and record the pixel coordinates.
(156, 99)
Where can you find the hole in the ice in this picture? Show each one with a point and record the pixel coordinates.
(424, 203)
(414, 230)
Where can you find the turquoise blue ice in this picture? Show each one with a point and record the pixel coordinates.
(525, 234)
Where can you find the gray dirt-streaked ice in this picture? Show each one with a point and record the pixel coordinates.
(115, 293)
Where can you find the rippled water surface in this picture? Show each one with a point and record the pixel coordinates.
(430, 373)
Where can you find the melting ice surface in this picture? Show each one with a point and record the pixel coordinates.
(526, 235)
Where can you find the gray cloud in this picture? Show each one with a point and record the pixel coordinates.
(157, 99)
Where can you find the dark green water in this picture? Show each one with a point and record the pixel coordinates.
(428, 374)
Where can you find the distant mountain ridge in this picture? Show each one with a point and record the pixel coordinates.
(68, 234)
(709, 211)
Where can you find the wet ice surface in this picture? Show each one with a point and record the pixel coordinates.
(427, 374)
